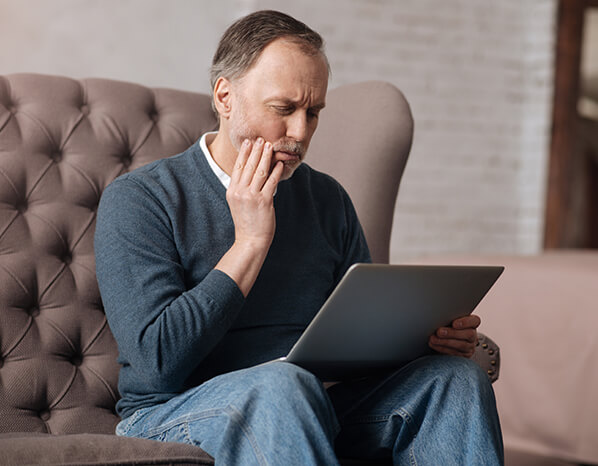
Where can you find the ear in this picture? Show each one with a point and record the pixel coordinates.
(223, 97)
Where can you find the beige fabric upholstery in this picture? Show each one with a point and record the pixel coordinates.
(544, 312)
(89, 449)
(363, 140)
(61, 142)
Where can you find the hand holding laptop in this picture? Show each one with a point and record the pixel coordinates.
(381, 316)
(457, 340)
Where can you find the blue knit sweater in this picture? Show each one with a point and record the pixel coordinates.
(160, 231)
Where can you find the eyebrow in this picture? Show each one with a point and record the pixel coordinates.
(287, 101)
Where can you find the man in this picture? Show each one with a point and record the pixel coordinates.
(211, 263)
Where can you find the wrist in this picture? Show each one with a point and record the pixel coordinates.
(243, 262)
(252, 245)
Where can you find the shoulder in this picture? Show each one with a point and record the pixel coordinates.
(179, 165)
(158, 179)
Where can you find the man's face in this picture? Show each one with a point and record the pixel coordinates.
(279, 98)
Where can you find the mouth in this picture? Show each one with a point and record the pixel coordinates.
(287, 157)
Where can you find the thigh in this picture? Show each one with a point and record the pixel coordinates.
(267, 390)
(379, 413)
(261, 415)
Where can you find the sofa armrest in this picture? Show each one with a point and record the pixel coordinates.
(487, 356)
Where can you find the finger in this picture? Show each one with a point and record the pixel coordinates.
(270, 186)
(451, 347)
(252, 162)
(457, 344)
(471, 321)
(469, 335)
(261, 173)
(242, 157)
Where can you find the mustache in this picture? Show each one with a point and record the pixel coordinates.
(292, 147)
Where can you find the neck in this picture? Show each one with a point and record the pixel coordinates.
(223, 152)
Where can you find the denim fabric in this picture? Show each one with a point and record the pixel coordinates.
(436, 410)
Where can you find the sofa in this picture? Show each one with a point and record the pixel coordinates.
(62, 141)
(544, 313)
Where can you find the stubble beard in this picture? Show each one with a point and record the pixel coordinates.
(240, 131)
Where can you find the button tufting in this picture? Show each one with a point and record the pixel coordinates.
(44, 415)
(153, 115)
(77, 360)
(85, 109)
(21, 207)
(56, 156)
(67, 258)
(126, 160)
(34, 311)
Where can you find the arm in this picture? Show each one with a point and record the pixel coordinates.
(163, 329)
(250, 197)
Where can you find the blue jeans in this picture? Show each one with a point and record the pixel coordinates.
(436, 410)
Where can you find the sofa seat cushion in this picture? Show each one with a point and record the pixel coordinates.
(542, 314)
(523, 458)
(91, 449)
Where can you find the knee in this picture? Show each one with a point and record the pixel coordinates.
(461, 374)
(467, 370)
(291, 390)
(282, 380)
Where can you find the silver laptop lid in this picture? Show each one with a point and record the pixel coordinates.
(381, 316)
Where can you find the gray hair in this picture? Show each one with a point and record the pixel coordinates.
(244, 41)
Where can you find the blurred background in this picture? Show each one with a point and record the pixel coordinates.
(504, 96)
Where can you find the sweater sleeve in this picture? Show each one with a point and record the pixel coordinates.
(163, 330)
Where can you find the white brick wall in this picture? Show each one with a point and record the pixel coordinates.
(478, 75)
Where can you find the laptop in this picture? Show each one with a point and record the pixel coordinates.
(379, 316)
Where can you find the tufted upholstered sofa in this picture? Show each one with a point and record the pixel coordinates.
(62, 141)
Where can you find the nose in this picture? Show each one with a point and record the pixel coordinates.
(297, 126)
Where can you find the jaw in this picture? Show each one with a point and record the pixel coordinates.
(291, 163)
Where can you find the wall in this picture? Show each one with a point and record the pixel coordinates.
(152, 42)
(478, 76)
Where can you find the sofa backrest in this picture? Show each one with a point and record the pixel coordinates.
(62, 141)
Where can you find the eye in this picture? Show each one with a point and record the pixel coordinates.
(284, 110)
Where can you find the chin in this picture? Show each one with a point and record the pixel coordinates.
(289, 170)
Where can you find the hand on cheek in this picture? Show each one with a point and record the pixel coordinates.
(250, 198)
(251, 191)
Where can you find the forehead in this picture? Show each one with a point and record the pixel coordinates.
(285, 68)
